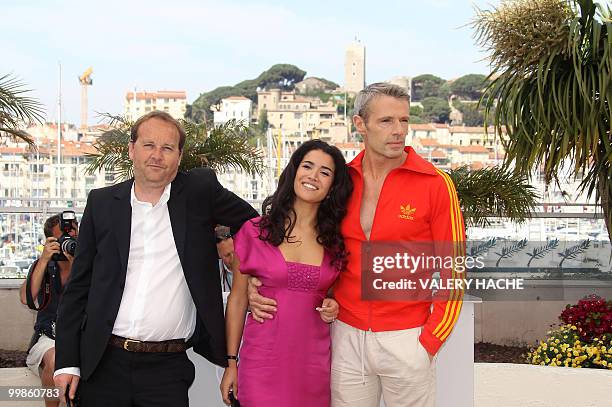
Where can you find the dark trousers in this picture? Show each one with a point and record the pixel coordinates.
(134, 379)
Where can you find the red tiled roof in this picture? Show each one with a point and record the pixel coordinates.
(12, 150)
(69, 149)
(449, 146)
(422, 127)
(427, 142)
(438, 154)
(473, 149)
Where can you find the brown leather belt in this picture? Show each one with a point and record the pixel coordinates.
(132, 345)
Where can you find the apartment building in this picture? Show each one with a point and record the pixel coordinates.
(330, 131)
(25, 173)
(296, 115)
(234, 107)
(140, 103)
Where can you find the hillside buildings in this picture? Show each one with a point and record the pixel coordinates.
(295, 115)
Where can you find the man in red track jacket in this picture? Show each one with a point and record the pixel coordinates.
(388, 347)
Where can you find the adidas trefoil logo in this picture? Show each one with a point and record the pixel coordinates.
(406, 212)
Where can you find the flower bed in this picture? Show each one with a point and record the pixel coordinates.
(584, 340)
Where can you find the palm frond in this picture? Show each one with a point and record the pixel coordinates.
(225, 146)
(17, 110)
(493, 192)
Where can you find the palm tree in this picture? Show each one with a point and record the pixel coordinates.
(224, 146)
(551, 88)
(17, 109)
(493, 192)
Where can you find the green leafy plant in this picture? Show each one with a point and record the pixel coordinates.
(493, 192)
(221, 147)
(550, 88)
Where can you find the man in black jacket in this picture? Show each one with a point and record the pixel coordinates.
(145, 282)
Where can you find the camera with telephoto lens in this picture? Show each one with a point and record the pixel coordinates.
(67, 243)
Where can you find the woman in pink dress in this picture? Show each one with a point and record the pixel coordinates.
(297, 251)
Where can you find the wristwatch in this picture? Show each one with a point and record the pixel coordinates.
(219, 237)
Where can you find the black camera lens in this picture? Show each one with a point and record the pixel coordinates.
(69, 246)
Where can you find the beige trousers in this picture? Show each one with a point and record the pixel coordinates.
(367, 364)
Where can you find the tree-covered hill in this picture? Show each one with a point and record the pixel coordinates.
(283, 76)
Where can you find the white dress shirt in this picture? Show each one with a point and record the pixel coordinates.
(156, 304)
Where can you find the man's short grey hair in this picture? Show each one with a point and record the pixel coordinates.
(365, 96)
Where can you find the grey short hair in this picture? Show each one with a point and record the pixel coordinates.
(365, 96)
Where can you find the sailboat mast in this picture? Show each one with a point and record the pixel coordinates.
(59, 134)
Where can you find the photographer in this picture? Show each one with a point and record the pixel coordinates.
(45, 282)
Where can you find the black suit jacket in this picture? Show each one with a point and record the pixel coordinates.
(91, 300)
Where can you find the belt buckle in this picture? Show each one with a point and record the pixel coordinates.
(127, 342)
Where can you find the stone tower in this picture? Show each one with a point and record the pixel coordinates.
(354, 67)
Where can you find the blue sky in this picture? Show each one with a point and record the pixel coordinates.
(201, 44)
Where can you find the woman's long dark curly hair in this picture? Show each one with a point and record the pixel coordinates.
(278, 219)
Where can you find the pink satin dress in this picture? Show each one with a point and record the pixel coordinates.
(285, 361)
